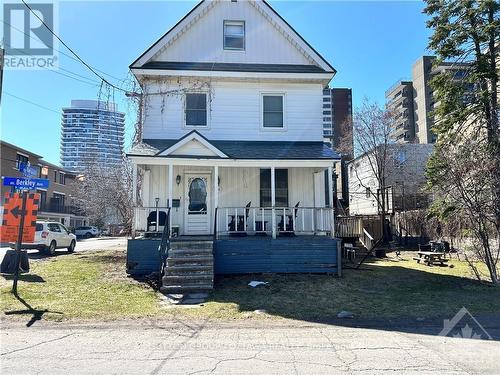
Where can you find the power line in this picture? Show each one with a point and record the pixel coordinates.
(61, 52)
(32, 103)
(88, 81)
(71, 50)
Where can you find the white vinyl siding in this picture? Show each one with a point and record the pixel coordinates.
(238, 186)
(234, 112)
(234, 35)
(202, 42)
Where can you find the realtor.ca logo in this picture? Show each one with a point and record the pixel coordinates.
(464, 325)
(28, 36)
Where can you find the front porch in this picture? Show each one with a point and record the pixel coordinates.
(234, 201)
(269, 214)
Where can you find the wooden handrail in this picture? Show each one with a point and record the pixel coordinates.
(164, 244)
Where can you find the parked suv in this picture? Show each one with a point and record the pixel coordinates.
(87, 232)
(50, 236)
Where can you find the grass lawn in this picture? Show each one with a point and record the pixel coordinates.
(94, 286)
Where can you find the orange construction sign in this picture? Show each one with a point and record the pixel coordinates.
(12, 211)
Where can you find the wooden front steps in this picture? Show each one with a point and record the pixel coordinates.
(190, 267)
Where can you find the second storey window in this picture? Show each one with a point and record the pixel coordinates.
(272, 106)
(234, 35)
(196, 109)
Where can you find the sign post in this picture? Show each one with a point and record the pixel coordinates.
(19, 242)
(19, 215)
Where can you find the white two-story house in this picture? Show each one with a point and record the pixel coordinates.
(232, 136)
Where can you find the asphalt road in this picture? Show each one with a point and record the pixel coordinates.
(102, 243)
(238, 348)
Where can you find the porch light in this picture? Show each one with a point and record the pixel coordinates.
(178, 179)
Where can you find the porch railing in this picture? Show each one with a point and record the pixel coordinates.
(148, 219)
(269, 220)
(367, 240)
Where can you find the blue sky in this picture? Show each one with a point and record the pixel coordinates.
(371, 44)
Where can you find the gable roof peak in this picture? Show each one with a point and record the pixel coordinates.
(262, 6)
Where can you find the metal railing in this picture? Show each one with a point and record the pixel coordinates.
(150, 218)
(269, 220)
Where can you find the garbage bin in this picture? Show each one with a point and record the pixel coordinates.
(9, 262)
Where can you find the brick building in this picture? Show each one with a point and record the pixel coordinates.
(56, 202)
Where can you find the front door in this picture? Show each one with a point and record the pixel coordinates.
(197, 208)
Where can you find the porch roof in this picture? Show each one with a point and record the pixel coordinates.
(258, 150)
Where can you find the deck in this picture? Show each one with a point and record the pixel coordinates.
(254, 254)
(250, 254)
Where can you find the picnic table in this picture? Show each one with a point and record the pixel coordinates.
(431, 257)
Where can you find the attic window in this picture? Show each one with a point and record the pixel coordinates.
(234, 35)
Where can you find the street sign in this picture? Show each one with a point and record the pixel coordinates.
(26, 183)
(27, 170)
(12, 212)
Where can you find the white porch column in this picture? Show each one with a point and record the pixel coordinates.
(134, 198)
(330, 202)
(170, 193)
(273, 202)
(216, 193)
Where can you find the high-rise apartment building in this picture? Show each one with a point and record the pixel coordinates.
(413, 101)
(337, 114)
(92, 131)
(337, 130)
(400, 103)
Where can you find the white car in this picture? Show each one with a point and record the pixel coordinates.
(87, 232)
(50, 236)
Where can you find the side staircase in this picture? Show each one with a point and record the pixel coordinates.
(190, 267)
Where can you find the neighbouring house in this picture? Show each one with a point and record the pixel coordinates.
(405, 179)
(55, 202)
(232, 148)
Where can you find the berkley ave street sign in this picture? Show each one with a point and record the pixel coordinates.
(26, 183)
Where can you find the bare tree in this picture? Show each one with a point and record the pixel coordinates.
(105, 193)
(372, 136)
(461, 178)
(345, 145)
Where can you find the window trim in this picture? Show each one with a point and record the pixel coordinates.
(238, 22)
(207, 126)
(273, 129)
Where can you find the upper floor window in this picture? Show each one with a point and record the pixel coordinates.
(62, 178)
(234, 35)
(272, 107)
(196, 109)
(21, 161)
